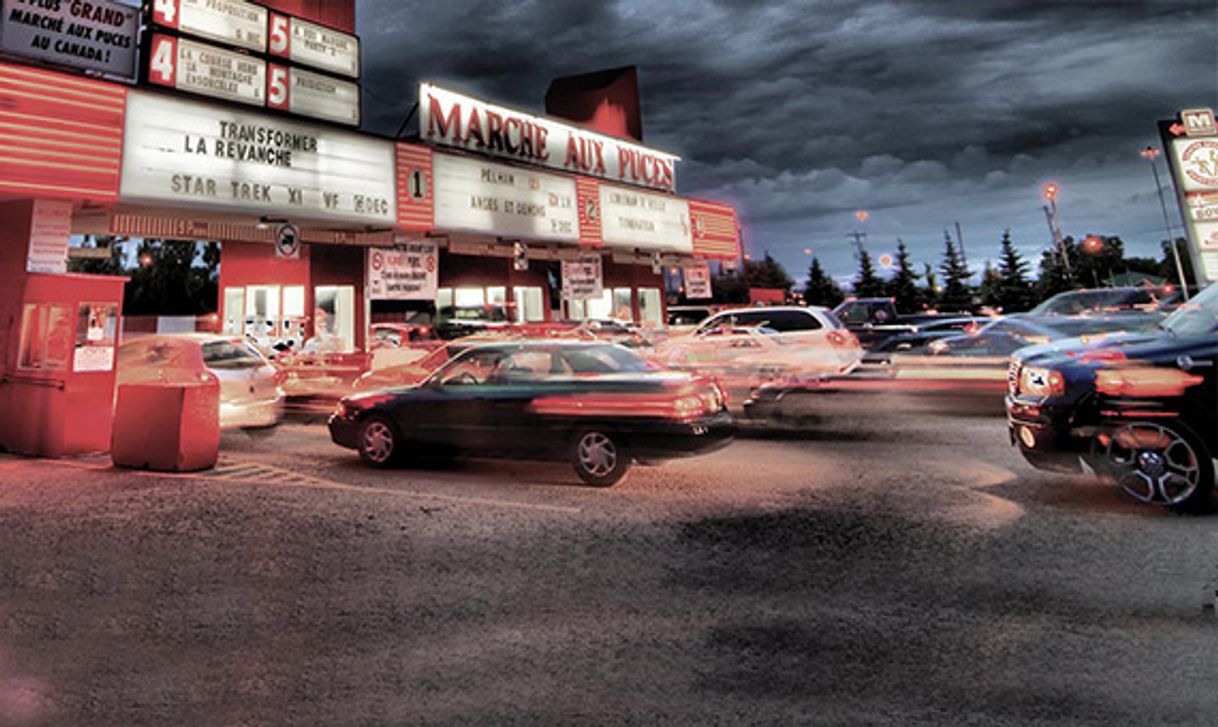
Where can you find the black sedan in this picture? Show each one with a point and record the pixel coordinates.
(1141, 408)
(599, 405)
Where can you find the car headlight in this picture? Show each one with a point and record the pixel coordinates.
(1036, 381)
(937, 347)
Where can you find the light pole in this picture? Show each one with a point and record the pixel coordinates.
(1150, 154)
(858, 236)
(1055, 224)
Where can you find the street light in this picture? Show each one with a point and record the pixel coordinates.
(1050, 191)
(1093, 244)
(807, 251)
(1150, 154)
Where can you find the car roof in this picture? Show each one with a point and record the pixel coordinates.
(763, 309)
(197, 337)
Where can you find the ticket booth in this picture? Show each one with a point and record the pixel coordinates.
(57, 386)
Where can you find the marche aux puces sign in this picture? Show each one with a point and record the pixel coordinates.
(453, 119)
(99, 35)
(1194, 162)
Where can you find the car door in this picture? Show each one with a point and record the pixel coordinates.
(450, 409)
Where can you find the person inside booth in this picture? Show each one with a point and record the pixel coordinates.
(324, 339)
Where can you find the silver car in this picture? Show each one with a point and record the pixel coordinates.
(250, 393)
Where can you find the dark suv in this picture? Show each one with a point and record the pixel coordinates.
(1139, 408)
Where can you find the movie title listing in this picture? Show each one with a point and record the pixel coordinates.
(645, 221)
(212, 157)
(207, 70)
(233, 22)
(453, 119)
(314, 45)
(99, 35)
(480, 196)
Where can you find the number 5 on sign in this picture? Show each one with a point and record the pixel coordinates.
(280, 42)
(277, 87)
(162, 60)
(165, 12)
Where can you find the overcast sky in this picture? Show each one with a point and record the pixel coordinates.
(922, 112)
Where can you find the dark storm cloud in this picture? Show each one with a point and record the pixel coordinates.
(923, 112)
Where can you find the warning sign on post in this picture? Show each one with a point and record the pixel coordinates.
(697, 281)
(408, 272)
(582, 279)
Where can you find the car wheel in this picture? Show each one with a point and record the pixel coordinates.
(378, 442)
(1160, 463)
(599, 458)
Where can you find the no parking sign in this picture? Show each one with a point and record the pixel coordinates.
(407, 272)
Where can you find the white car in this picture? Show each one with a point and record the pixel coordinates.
(748, 346)
(250, 393)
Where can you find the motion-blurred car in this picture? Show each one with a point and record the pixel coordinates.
(750, 346)
(922, 335)
(250, 393)
(399, 335)
(457, 321)
(600, 406)
(997, 339)
(1108, 301)
(1140, 408)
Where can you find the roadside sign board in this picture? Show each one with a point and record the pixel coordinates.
(697, 281)
(582, 278)
(1192, 158)
(97, 36)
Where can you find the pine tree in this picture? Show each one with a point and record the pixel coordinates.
(1014, 290)
(930, 293)
(991, 287)
(821, 289)
(867, 284)
(769, 273)
(957, 294)
(903, 286)
(1054, 278)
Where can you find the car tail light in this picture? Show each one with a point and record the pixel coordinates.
(843, 339)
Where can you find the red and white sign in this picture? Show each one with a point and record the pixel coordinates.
(50, 227)
(314, 45)
(408, 272)
(312, 94)
(697, 281)
(1197, 161)
(233, 22)
(207, 70)
(454, 119)
(1199, 122)
(583, 278)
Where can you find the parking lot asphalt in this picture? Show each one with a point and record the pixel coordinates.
(867, 560)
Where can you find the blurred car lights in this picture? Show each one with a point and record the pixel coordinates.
(1145, 382)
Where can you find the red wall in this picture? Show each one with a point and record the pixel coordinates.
(14, 242)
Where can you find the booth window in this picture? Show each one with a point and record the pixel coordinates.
(529, 304)
(46, 337)
(333, 319)
(650, 306)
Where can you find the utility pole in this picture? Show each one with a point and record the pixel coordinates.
(858, 242)
(1149, 153)
(960, 240)
(1055, 224)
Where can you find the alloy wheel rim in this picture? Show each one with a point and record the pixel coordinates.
(378, 442)
(597, 454)
(1153, 464)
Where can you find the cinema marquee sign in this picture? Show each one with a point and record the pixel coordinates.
(253, 163)
(453, 119)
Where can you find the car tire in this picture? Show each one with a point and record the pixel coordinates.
(1157, 462)
(599, 458)
(379, 442)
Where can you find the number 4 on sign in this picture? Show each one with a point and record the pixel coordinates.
(163, 59)
(165, 12)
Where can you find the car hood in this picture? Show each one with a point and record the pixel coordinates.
(1143, 345)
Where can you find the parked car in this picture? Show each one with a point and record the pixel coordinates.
(922, 334)
(250, 393)
(1140, 408)
(601, 406)
(998, 338)
(1107, 301)
(456, 321)
(872, 320)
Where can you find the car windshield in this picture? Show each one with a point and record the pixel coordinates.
(229, 355)
(532, 363)
(1095, 301)
(1198, 317)
(491, 313)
